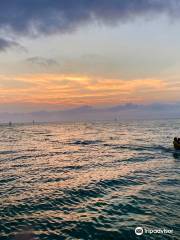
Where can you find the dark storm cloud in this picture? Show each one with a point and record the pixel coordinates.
(49, 16)
(5, 44)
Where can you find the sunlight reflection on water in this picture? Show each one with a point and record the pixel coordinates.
(88, 180)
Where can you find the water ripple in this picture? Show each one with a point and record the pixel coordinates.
(88, 181)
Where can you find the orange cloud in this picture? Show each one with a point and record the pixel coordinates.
(64, 89)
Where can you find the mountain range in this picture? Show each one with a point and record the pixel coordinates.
(84, 113)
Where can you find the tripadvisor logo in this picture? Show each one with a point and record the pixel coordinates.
(139, 231)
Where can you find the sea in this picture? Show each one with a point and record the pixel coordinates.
(114, 180)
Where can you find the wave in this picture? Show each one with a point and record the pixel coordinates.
(7, 152)
(140, 147)
(78, 186)
(138, 159)
(86, 142)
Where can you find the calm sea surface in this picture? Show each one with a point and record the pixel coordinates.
(89, 180)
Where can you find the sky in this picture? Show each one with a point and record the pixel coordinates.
(60, 54)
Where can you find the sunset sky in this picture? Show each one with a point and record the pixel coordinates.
(64, 53)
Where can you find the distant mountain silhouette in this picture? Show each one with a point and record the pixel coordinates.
(85, 112)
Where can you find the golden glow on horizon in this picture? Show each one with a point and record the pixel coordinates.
(68, 89)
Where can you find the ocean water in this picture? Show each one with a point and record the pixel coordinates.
(89, 180)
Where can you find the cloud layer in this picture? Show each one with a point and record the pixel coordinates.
(41, 61)
(5, 44)
(72, 90)
(47, 16)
